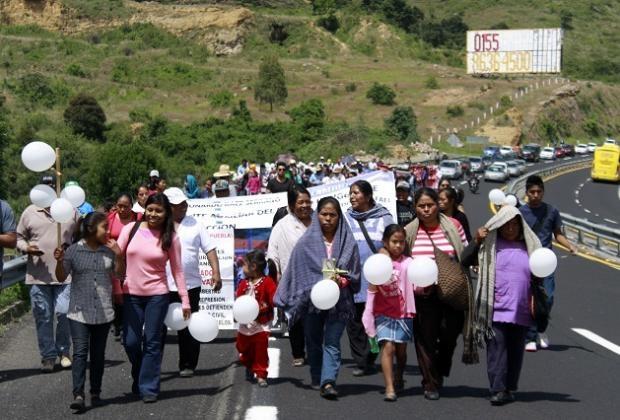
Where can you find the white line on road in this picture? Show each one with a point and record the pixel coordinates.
(261, 412)
(274, 363)
(529, 164)
(598, 340)
(273, 339)
(611, 221)
(587, 211)
(462, 182)
(577, 201)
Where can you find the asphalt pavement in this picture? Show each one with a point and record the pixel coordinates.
(575, 378)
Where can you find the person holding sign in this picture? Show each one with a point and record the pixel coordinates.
(326, 250)
(194, 238)
(253, 337)
(502, 249)
(389, 313)
(146, 248)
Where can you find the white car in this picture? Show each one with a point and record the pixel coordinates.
(581, 149)
(451, 169)
(548, 153)
(522, 164)
(504, 167)
(591, 147)
(477, 164)
(505, 150)
(610, 141)
(495, 173)
(513, 168)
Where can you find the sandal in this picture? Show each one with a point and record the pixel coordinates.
(390, 397)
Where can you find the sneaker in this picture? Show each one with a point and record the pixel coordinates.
(149, 399)
(298, 362)
(531, 346)
(262, 382)
(500, 398)
(431, 395)
(65, 362)
(543, 340)
(329, 392)
(78, 403)
(47, 365)
(186, 373)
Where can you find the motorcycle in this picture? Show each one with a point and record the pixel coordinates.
(474, 184)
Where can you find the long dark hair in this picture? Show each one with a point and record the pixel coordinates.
(127, 196)
(88, 226)
(366, 189)
(391, 230)
(263, 265)
(330, 200)
(167, 228)
(429, 192)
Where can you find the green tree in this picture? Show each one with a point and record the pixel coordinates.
(271, 85)
(381, 94)
(309, 115)
(242, 112)
(403, 123)
(85, 116)
(4, 143)
(321, 7)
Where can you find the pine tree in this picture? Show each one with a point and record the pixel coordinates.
(271, 85)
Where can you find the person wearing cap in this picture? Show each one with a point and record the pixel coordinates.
(37, 237)
(224, 173)
(404, 209)
(279, 183)
(153, 181)
(194, 238)
(221, 188)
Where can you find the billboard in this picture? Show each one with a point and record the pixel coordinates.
(514, 51)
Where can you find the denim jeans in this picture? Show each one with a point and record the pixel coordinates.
(47, 301)
(143, 320)
(549, 284)
(323, 347)
(88, 338)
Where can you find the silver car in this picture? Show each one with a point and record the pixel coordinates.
(513, 168)
(495, 173)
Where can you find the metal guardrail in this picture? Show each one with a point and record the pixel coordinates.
(14, 271)
(584, 232)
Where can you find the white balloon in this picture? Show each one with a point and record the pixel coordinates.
(61, 210)
(378, 269)
(75, 194)
(38, 156)
(510, 200)
(325, 294)
(497, 196)
(245, 309)
(422, 271)
(543, 262)
(42, 196)
(174, 318)
(203, 327)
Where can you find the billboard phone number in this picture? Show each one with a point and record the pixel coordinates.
(500, 62)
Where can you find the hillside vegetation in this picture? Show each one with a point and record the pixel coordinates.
(176, 81)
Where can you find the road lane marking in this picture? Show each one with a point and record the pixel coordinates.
(598, 340)
(261, 412)
(587, 211)
(577, 201)
(272, 339)
(611, 221)
(462, 182)
(274, 363)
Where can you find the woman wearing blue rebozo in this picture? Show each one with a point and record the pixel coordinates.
(327, 249)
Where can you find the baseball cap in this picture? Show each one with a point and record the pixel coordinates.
(404, 185)
(175, 195)
(154, 172)
(220, 185)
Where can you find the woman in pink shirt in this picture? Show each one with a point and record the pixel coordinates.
(389, 312)
(147, 247)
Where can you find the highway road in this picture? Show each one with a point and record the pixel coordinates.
(576, 378)
(599, 202)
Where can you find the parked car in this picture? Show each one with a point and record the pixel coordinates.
(505, 150)
(495, 173)
(522, 164)
(591, 147)
(491, 151)
(569, 149)
(531, 152)
(581, 149)
(513, 168)
(451, 169)
(477, 164)
(548, 153)
(559, 152)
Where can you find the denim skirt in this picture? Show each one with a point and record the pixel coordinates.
(397, 330)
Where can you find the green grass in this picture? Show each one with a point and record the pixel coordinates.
(13, 294)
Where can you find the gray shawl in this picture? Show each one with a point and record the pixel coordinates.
(305, 269)
(485, 290)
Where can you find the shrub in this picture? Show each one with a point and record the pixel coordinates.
(381, 94)
(402, 123)
(329, 22)
(76, 70)
(431, 83)
(477, 105)
(455, 111)
(505, 101)
(309, 115)
(271, 85)
(221, 99)
(350, 87)
(85, 116)
(277, 33)
(41, 90)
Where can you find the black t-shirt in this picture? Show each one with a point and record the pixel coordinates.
(404, 213)
(276, 186)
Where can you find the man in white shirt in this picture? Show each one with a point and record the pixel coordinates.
(283, 238)
(194, 237)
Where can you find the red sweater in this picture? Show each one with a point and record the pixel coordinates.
(264, 291)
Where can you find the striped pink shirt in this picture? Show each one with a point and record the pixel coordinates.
(423, 246)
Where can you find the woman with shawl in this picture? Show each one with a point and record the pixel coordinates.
(327, 249)
(191, 187)
(368, 221)
(502, 249)
(437, 325)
